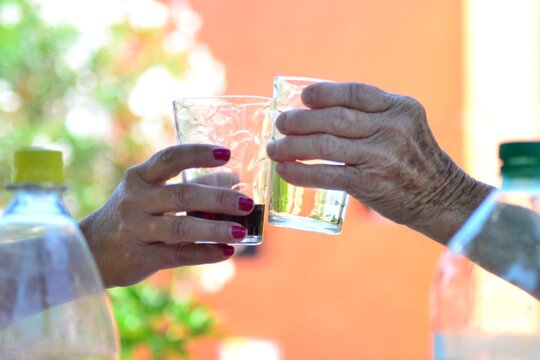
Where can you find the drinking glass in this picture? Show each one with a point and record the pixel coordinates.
(243, 125)
(296, 207)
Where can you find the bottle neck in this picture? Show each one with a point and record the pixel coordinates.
(36, 199)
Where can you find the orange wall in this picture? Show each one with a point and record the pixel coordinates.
(364, 294)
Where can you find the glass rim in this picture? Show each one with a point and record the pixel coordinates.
(301, 78)
(258, 100)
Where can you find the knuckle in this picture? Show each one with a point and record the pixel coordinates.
(123, 230)
(362, 183)
(223, 199)
(327, 177)
(130, 175)
(182, 195)
(414, 108)
(349, 182)
(125, 207)
(388, 101)
(342, 120)
(368, 183)
(167, 155)
(336, 177)
(180, 229)
(181, 253)
(328, 145)
(356, 93)
(356, 153)
(216, 230)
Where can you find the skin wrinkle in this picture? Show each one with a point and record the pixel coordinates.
(423, 159)
(181, 253)
(402, 173)
(440, 190)
(443, 196)
(181, 196)
(410, 172)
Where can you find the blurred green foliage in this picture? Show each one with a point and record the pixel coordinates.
(34, 81)
(39, 86)
(167, 324)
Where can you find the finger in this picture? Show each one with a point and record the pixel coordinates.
(188, 229)
(165, 256)
(339, 121)
(169, 162)
(195, 197)
(352, 95)
(333, 177)
(219, 179)
(321, 146)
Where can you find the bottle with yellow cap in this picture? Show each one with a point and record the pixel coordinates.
(52, 301)
(486, 290)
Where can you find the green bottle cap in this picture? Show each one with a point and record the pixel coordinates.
(520, 158)
(38, 166)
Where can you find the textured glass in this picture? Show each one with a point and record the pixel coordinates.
(296, 207)
(239, 123)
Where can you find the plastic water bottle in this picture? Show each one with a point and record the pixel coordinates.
(52, 301)
(489, 309)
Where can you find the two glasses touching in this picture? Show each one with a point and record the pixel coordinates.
(245, 125)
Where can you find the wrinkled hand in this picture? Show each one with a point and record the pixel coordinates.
(392, 162)
(133, 235)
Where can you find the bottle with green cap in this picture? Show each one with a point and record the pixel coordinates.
(52, 301)
(485, 294)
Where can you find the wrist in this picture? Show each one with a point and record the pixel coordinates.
(96, 248)
(453, 207)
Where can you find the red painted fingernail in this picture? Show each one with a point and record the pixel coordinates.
(228, 251)
(238, 232)
(245, 204)
(222, 154)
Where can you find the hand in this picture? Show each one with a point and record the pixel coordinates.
(133, 235)
(392, 162)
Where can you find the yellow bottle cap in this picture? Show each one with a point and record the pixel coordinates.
(38, 166)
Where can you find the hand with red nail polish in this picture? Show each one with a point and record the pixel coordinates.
(134, 234)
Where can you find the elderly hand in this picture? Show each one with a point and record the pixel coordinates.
(392, 162)
(133, 235)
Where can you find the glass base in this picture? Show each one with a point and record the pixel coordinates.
(248, 241)
(304, 224)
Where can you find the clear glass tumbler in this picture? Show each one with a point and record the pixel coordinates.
(296, 207)
(243, 125)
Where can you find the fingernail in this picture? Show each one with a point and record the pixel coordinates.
(280, 122)
(222, 154)
(271, 149)
(238, 232)
(245, 204)
(228, 251)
